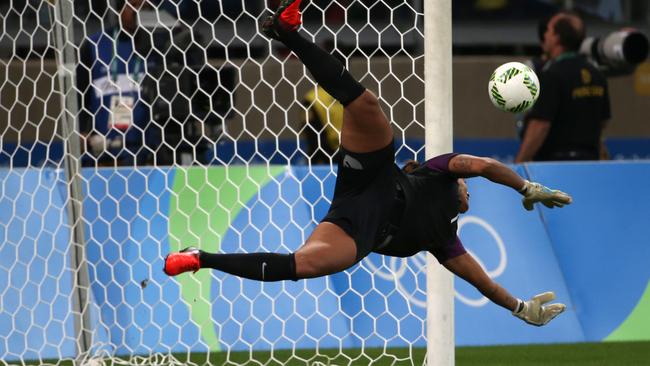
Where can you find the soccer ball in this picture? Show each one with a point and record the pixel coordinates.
(513, 87)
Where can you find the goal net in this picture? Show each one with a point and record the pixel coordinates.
(123, 144)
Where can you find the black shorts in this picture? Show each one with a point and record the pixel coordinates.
(363, 196)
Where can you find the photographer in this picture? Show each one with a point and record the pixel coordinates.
(113, 120)
(567, 121)
(190, 99)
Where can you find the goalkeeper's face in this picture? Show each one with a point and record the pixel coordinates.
(463, 196)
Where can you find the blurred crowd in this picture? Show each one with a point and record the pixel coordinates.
(617, 11)
(131, 111)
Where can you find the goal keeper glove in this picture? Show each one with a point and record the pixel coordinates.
(534, 311)
(535, 192)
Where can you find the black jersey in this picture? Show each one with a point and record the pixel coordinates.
(367, 201)
(574, 98)
(430, 219)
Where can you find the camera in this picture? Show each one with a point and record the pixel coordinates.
(618, 52)
(189, 98)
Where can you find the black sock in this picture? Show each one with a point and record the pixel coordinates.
(326, 69)
(265, 267)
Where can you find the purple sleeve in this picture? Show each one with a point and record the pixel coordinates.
(440, 163)
(450, 251)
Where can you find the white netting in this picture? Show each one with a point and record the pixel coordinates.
(120, 147)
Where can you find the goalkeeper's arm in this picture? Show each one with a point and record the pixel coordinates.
(533, 311)
(467, 166)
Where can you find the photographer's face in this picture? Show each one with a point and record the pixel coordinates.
(551, 39)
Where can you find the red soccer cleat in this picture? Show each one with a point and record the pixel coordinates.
(184, 261)
(287, 17)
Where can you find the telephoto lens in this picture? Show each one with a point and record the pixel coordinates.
(622, 48)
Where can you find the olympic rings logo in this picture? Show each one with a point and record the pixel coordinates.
(398, 267)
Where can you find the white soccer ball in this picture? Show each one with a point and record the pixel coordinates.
(513, 87)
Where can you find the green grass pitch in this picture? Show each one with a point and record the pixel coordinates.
(581, 354)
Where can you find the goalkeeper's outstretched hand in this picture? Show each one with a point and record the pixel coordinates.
(534, 311)
(535, 192)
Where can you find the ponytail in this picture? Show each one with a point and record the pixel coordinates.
(410, 166)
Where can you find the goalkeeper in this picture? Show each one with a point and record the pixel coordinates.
(376, 206)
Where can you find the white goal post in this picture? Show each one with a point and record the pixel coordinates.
(214, 155)
(66, 59)
(438, 140)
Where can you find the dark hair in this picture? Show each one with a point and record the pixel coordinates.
(571, 37)
(410, 166)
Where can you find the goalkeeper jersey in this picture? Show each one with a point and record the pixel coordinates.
(430, 219)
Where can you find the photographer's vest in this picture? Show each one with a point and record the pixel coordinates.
(574, 98)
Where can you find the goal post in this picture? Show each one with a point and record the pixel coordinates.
(66, 58)
(438, 140)
(227, 168)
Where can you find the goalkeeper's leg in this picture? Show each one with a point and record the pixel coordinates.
(365, 126)
(365, 129)
(328, 250)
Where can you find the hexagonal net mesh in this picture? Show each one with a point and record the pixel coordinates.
(132, 129)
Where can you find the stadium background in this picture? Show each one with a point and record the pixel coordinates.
(610, 258)
(482, 40)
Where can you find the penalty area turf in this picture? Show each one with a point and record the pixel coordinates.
(578, 354)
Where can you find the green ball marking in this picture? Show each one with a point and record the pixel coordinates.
(497, 96)
(509, 74)
(520, 107)
(530, 84)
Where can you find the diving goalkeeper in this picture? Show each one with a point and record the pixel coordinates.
(376, 206)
